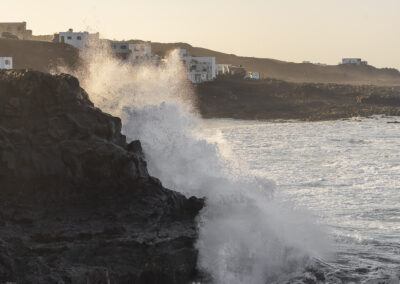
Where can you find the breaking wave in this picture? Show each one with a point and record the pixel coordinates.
(245, 234)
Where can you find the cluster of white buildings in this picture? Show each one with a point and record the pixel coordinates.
(133, 52)
(199, 69)
(355, 61)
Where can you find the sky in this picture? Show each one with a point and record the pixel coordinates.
(321, 31)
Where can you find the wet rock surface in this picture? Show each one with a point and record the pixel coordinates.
(77, 204)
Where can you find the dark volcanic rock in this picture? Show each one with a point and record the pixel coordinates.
(229, 97)
(77, 204)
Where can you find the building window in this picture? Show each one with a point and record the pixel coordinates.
(123, 47)
(69, 37)
(78, 37)
(7, 62)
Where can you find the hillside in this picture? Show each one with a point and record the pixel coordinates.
(43, 55)
(275, 99)
(38, 55)
(295, 72)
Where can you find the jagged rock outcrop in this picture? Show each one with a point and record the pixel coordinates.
(77, 204)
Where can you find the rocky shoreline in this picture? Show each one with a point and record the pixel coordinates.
(271, 99)
(77, 204)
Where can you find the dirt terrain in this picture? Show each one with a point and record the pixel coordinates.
(42, 55)
(295, 72)
(38, 55)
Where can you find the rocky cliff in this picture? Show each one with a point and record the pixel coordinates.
(276, 99)
(77, 204)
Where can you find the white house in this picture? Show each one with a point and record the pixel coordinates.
(79, 40)
(356, 61)
(6, 63)
(140, 51)
(121, 49)
(199, 69)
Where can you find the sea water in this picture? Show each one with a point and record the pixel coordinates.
(347, 173)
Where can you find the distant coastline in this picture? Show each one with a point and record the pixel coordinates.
(306, 91)
(272, 99)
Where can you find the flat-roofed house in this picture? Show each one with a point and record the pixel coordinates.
(199, 69)
(79, 40)
(6, 63)
(140, 52)
(121, 49)
(202, 69)
(17, 29)
(357, 61)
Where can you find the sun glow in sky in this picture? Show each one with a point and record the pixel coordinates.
(291, 30)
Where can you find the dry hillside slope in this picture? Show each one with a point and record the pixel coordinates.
(38, 55)
(295, 72)
(42, 56)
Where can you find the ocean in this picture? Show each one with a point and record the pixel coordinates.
(346, 173)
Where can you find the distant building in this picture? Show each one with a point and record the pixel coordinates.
(140, 52)
(132, 52)
(6, 63)
(121, 49)
(237, 71)
(254, 75)
(356, 61)
(199, 69)
(15, 29)
(223, 69)
(79, 40)
(317, 63)
(182, 53)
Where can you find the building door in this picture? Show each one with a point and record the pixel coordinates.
(62, 39)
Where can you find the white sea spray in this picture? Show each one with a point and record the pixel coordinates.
(245, 235)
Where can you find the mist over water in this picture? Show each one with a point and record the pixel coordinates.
(246, 234)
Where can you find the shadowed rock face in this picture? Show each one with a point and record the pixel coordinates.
(77, 204)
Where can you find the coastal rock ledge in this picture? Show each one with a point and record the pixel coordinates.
(77, 204)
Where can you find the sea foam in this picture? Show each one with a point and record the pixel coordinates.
(245, 235)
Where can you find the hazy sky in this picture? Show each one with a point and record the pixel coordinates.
(292, 30)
